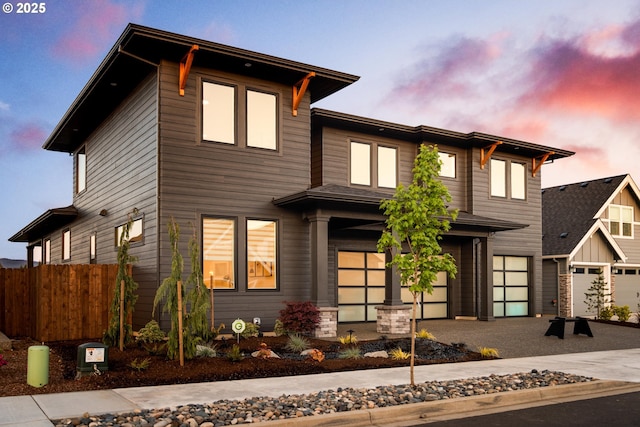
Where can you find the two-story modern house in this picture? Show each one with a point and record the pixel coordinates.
(283, 199)
(589, 229)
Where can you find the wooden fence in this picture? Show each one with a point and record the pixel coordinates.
(56, 302)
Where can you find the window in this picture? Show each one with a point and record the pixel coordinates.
(261, 120)
(387, 167)
(518, 180)
(373, 163)
(498, 178)
(621, 221)
(66, 245)
(36, 254)
(218, 113)
(447, 165)
(514, 184)
(135, 232)
(81, 170)
(47, 252)
(92, 248)
(261, 254)
(219, 252)
(360, 163)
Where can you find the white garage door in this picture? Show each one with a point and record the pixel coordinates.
(583, 278)
(628, 288)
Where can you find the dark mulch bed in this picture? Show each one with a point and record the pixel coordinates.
(63, 364)
(616, 322)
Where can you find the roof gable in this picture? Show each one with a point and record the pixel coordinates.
(570, 212)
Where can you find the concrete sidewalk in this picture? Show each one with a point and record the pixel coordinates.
(620, 370)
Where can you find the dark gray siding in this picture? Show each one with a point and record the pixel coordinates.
(121, 174)
(524, 242)
(202, 178)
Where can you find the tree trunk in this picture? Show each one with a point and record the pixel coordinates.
(413, 338)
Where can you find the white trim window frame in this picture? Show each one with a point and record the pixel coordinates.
(621, 221)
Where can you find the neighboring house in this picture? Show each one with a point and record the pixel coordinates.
(282, 199)
(590, 228)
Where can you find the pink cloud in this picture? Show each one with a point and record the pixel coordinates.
(450, 72)
(27, 137)
(569, 78)
(95, 25)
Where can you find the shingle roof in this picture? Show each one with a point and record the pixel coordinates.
(568, 212)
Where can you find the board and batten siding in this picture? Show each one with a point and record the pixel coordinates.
(200, 178)
(522, 242)
(121, 176)
(630, 246)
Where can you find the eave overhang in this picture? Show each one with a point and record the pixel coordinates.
(336, 197)
(432, 135)
(138, 52)
(51, 220)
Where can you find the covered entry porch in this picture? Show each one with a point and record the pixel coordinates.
(349, 278)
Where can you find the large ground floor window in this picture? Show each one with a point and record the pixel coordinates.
(510, 286)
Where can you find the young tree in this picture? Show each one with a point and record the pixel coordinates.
(168, 291)
(417, 216)
(112, 335)
(197, 327)
(597, 296)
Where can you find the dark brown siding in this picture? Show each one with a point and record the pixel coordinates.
(204, 178)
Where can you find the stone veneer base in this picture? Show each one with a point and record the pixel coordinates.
(328, 325)
(394, 319)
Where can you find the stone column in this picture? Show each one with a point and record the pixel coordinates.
(394, 319)
(328, 325)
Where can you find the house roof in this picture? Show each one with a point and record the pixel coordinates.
(51, 220)
(138, 52)
(570, 212)
(339, 197)
(417, 134)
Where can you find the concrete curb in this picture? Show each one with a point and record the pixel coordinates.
(466, 406)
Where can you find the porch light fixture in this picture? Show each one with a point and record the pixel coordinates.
(104, 212)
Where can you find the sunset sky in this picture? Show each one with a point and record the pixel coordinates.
(562, 73)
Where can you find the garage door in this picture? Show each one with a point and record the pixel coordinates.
(583, 278)
(628, 288)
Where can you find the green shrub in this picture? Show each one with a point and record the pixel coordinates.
(151, 333)
(250, 330)
(297, 343)
(279, 329)
(140, 365)
(350, 353)
(606, 313)
(235, 355)
(207, 350)
(300, 317)
(623, 312)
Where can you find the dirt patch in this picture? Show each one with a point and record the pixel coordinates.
(160, 371)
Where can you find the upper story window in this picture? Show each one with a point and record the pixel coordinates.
(373, 160)
(47, 252)
(218, 113)
(513, 184)
(621, 221)
(261, 120)
(447, 165)
(231, 114)
(81, 170)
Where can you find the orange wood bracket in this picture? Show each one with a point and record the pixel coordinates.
(485, 156)
(298, 92)
(536, 162)
(185, 67)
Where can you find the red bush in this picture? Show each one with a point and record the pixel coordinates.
(301, 317)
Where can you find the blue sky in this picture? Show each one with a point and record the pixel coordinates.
(562, 73)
